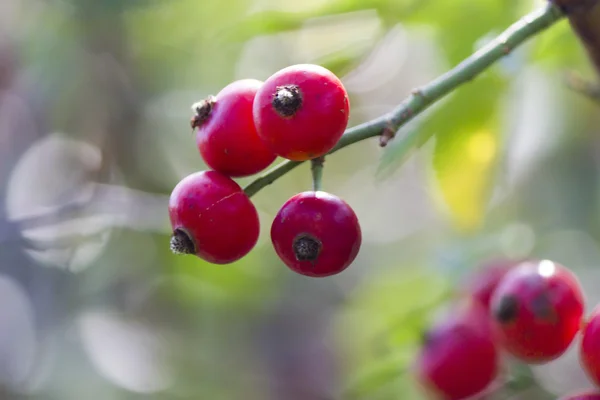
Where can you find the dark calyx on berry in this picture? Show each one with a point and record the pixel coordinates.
(306, 247)
(507, 310)
(287, 100)
(181, 243)
(202, 109)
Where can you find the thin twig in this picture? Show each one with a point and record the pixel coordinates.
(423, 98)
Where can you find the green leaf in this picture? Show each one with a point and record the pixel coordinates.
(461, 23)
(179, 43)
(377, 376)
(559, 48)
(271, 22)
(398, 150)
(266, 23)
(463, 167)
(465, 125)
(342, 62)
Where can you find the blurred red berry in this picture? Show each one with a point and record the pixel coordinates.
(538, 306)
(587, 395)
(212, 218)
(483, 282)
(226, 136)
(589, 348)
(459, 357)
(301, 111)
(316, 234)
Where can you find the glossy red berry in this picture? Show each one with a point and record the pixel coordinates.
(538, 307)
(483, 282)
(589, 348)
(226, 136)
(316, 234)
(587, 395)
(212, 218)
(302, 111)
(459, 357)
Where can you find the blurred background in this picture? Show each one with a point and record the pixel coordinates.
(95, 103)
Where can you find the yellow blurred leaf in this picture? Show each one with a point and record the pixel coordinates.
(463, 175)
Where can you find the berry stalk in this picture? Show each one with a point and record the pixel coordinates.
(316, 168)
(422, 98)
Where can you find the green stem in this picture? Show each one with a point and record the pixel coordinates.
(422, 98)
(317, 173)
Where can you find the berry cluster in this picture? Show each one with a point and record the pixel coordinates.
(299, 113)
(530, 310)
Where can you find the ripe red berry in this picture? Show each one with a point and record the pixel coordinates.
(538, 307)
(589, 348)
(459, 357)
(302, 111)
(484, 281)
(212, 218)
(316, 234)
(588, 395)
(226, 136)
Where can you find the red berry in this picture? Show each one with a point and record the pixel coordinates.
(212, 218)
(538, 307)
(589, 395)
(316, 234)
(227, 137)
(302, 111)
(589, 349)
(484, 281)
(459, 357)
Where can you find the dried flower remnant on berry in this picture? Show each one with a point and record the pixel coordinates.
(202, 111)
